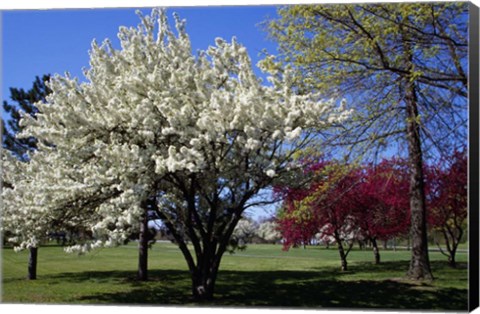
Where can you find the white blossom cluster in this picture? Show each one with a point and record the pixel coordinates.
(268, 231)
(245, 229)
(151, 110)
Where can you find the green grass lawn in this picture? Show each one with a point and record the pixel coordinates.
(261, 276)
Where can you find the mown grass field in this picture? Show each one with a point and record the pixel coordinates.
(261, 276)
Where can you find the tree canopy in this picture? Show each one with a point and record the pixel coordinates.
(359, 50)
(343, 204)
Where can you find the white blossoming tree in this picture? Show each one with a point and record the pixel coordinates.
(243, 233)
(200, 133)
(269, 232)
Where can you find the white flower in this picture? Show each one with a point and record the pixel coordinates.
(294, 134)
(252, 144)
(271, 173)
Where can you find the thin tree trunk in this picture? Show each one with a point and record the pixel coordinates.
(343, 256)
(361, 245)
(451, 247)
(451, 260)
(376, 252)
(142, 274)
(32, 263)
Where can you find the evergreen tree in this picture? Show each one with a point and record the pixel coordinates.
(23, 102)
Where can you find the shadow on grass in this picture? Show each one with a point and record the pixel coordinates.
(403, 266)
(324, 288)
(307, 289)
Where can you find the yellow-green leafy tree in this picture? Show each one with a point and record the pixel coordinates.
(402, 66)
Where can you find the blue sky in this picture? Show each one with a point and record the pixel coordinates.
(37, 42)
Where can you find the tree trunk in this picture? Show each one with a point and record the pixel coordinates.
(376, 252)
(361, 245)
(203, 283)
(419, 264)
(205, 275)
(451, 244)
(343, 256)
(32, 263)
(451, 260)
(142, 274)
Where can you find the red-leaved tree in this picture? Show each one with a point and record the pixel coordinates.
(343, 203)
(296, 222)
(383, 209)
(325, 207)
(447, 200)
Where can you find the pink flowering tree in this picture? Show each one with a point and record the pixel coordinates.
(447, 183)
(325, 207)
(383, 209)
